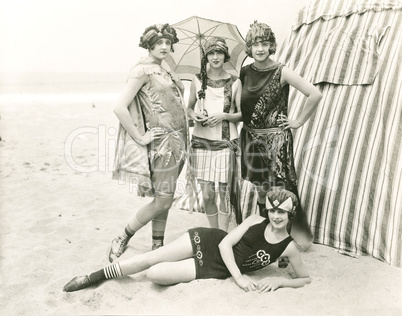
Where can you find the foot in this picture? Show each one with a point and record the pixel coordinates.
(78, 283)
(119, 245)
(283, 262)
(157, 245)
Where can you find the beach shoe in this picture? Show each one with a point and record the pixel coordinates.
(157, 242)
(77, 283)
(119, 245)
(283, 262)
(157, 245)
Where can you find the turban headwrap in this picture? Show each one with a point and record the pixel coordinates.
(260, 31)
(216, 44)
(155, 32)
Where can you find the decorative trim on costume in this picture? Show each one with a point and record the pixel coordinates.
(145, 66)
(198, 251)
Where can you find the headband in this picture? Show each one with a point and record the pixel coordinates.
(281, 199)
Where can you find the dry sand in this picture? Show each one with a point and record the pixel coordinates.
(57, 222)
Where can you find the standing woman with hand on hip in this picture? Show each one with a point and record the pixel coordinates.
(152, 137)
(266, 137)
(214, 105)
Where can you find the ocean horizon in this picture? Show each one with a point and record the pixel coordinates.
(28, 87)
(61, 87)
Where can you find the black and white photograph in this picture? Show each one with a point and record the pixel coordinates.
(216, 157)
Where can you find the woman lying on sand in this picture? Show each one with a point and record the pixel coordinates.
(205, 253)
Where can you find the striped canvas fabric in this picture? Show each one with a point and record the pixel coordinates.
(348, 154)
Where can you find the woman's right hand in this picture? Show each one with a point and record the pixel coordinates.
(149, 136)
(198, 116)
(246, 283)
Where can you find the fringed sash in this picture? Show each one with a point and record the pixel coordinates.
(233, 176)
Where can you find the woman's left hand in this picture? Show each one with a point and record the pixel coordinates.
(287, 123)
(214, 119)
(269, 285)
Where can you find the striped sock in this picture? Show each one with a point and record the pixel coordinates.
(109, 272)
(113, 271)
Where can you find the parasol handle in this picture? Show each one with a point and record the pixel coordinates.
(201, 105)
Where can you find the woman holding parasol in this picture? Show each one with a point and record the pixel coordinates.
(214, 105)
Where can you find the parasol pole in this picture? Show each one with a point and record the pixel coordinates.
(201, 100)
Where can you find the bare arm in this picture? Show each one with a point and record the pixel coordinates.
(130, 90)
(226, 250)
(192, 100)
(313, 95)
(302, 277)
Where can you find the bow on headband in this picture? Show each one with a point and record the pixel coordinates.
(283, 199)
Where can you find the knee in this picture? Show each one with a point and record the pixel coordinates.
(208, 196)
(208, 200)
(163, 203)
(157, 274)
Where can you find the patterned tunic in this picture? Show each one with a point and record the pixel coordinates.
(267, 150)
(157, 104)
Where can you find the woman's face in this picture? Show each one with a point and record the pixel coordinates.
(260, 50)
(278, 218)
(216, 59)
(161, 49)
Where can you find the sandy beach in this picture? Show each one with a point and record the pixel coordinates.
(58, 218)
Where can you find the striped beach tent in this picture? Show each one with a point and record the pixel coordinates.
(348, 155)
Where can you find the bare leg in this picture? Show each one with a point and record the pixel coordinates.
(211, 209)
(158, 230)
(158, 209)
(178, 250)
(223, 211)
(168, 273)
(159, 205)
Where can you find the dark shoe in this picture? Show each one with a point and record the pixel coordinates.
(157, 245)
(283, 262)
(78, 283)
(119, 245)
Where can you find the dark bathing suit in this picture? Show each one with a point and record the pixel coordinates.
(251, 253)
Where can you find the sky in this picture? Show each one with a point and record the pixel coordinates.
(103, 35)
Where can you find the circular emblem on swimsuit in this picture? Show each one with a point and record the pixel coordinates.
(263, 257)
(260, 253)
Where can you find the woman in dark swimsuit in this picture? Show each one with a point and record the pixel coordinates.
(204, 253)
